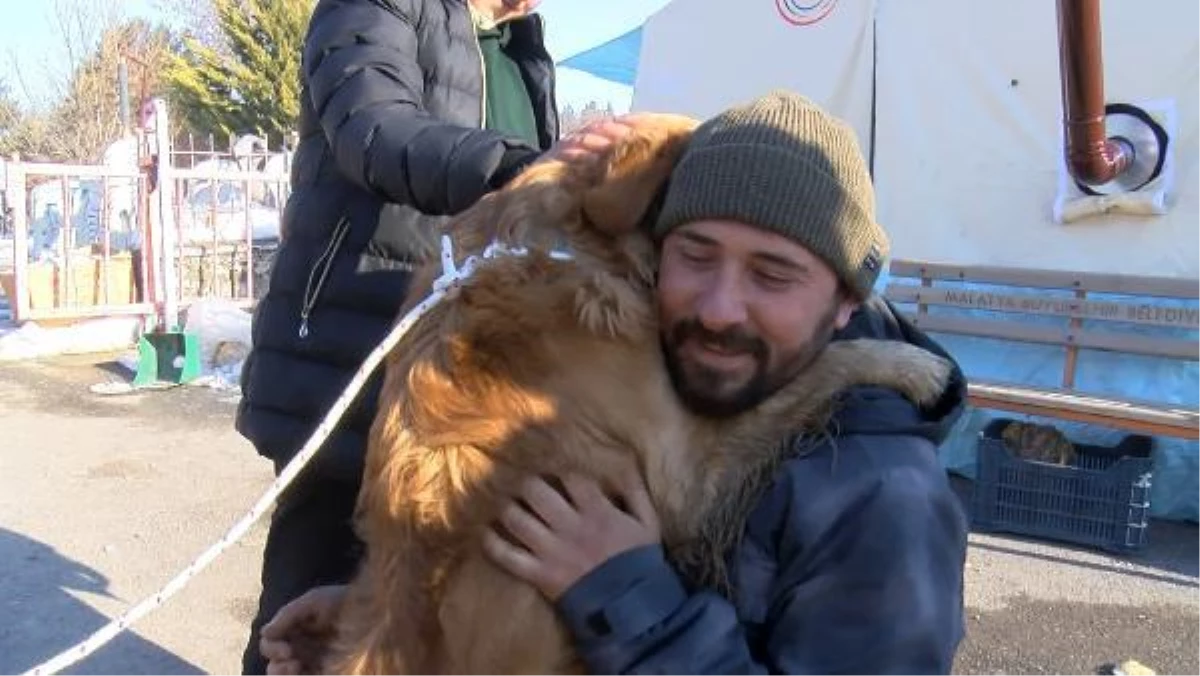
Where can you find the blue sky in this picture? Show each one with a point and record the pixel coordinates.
(28, 44)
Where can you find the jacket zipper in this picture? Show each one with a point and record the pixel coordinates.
(483, 79)
(541, 23)
(324, 263)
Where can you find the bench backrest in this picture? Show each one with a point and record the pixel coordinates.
(930, 284)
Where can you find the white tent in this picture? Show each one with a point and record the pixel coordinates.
(958, 105)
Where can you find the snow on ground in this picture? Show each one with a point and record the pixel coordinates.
(222, 328)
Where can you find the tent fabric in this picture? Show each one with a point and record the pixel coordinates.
(700, 57)
(969, 170)
(969, 148)
(965, 131)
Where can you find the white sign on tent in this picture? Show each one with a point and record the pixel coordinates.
(699, 57)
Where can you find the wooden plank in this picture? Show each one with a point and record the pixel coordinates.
(1029, 303)
(50, 169)
(1049, 335)
(1153, 346)
(76, 312)
(1162, 287)
(984, 328)
(1076, 324)
(1144, 417)
(1139, 426)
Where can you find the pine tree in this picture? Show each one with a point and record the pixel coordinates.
(254, 86)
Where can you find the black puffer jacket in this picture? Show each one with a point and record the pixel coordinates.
(391, 142)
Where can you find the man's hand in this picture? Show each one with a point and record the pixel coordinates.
(561, 538)
(590, 142)
(296, 639)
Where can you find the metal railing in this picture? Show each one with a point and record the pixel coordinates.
(87, 240)
(76, 246)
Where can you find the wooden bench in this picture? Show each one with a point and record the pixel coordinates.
(919, 286)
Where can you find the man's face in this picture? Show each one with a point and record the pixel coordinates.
(503, 10)
(742, 310)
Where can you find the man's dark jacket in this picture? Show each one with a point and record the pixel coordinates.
(390, 144)
(851, 562)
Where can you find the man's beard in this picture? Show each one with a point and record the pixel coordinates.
(701, 389)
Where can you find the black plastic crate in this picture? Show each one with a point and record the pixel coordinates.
(1102, 499)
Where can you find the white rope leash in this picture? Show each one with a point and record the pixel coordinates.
(447, 284)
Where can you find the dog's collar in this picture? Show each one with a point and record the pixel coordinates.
(453, 274)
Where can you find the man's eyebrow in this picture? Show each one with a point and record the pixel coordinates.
(698, 238)
(782, 262)
(768, 257)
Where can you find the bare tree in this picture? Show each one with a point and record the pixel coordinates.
(78, 26)
(197, 19)
(79, 115)
(571, 119)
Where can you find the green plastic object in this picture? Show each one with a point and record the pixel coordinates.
(167, 357)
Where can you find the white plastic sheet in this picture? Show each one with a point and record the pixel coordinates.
(223, 331)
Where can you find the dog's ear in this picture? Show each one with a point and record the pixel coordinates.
(638, 167)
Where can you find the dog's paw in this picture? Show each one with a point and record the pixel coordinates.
(914, 372)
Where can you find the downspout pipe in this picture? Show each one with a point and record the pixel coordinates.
(1092, 157)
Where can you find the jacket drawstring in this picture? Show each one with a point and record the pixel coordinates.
(324, 262)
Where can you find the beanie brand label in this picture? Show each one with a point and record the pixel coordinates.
(872, 260)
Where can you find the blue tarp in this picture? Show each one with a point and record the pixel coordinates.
(615, 60)
(1175, 494)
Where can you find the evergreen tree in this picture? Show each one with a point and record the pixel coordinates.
(253, 86)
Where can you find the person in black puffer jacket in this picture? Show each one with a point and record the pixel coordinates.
(411, 110)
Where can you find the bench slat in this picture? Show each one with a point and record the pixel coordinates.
(1138, 416)
(1027, 303)
(1146, 345)
(1162, 287)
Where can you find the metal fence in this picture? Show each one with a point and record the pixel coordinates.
(225, 211)
(76, 248)
(164, 227)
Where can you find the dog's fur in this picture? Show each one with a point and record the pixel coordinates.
(546, 366)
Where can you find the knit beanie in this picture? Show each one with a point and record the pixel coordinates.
(782, 163)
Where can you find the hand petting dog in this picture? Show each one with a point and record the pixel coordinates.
(560, 538)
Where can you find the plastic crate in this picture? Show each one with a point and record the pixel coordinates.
(1102, 499)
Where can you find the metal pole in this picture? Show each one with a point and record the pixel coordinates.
(14, 187)
(123, 89)
(1092, 157)
(166, 216)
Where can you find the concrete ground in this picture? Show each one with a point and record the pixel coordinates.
(104, 499)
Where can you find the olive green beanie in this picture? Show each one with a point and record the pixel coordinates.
(782, 163)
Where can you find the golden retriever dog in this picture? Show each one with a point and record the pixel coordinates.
(543, 364)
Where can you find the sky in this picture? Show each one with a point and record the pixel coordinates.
(30, 56)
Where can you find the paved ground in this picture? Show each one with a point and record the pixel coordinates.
(1036, 608)
(103, 499)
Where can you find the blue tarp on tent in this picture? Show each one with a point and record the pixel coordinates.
(615, 60)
